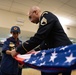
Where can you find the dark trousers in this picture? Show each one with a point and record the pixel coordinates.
(63, 73)
(20, 71)
(2, 73)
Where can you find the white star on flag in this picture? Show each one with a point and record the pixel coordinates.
(69, 51)
(54, 54)
(43, 54)
(70, 58)
(42, 63)
(52, 58)
(63, 48)
(33, 62)
(41, 58)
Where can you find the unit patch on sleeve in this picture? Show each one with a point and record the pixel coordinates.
(43, 21)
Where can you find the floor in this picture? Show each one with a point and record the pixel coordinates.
(29, 71)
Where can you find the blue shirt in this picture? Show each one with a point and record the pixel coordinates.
(9, 65)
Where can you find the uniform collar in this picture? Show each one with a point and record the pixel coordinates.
(13, 39)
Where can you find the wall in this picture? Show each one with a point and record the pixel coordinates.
(8, 19)
(70, 30)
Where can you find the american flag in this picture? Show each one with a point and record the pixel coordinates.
(52, 60)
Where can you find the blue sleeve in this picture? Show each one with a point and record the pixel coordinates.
(5, 46)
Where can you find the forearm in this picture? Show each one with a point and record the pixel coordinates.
(28, 45)
(20, 65)
(21, 50)
(8, 52)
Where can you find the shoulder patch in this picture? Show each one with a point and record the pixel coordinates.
(43, 21)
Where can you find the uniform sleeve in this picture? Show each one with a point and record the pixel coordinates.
(30, 44)
(42, 46)
(5, 46)
(46, 23)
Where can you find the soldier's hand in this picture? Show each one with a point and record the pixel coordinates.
(13, 53)
(20, 65)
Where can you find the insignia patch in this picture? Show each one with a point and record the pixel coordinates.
(15, 28)
(43, 21)
(11, 44)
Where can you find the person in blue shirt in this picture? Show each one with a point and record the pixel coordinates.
(9, 66)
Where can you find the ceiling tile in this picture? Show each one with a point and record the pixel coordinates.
(72, 3)
(64, 1)
(27, 2)
(46, 8)
(67, 9)
(37, 0)
(18, 11)
(6, 2)
(20, 8)
(4, 7)
(50, 5)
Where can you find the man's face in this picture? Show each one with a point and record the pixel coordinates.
(33, 17)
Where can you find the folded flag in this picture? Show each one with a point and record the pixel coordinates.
(52, 60)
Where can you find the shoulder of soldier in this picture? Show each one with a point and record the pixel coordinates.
(46, 17)
(47, 14)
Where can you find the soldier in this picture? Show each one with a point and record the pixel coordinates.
(50, 34)
(9, 66)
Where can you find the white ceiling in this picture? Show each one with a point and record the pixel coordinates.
(65, 8)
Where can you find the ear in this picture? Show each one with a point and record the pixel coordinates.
(36, 12)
